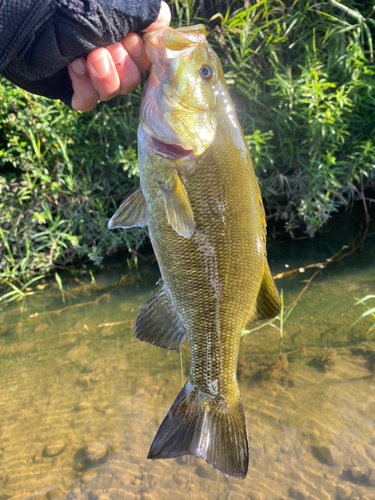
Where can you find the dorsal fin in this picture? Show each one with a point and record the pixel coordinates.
(131, 213)
(267, 305)
(158, 323)
(173, 40)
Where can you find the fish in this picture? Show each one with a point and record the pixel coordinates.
(200, 199)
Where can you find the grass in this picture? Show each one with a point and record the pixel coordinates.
(369, 312)
(56, 193)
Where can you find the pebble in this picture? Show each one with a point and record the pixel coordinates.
(78, 351)
(41, 328)
(255, 496)
(56, 495)
(101, 407)
(234, 495)
(91, 454)
(359, 475)
(146, 496)
(54, 449)
(207, 472)
(343, 492)
(297, 493)
(83, 406)
(322, 454)
(89, 476)
(84, 382)
(37, 459)
(181, 481)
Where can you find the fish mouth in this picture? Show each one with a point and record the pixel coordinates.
(172, 151)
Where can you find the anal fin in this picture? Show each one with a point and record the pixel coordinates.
(267, 305)
(131, 213)
(158, 323)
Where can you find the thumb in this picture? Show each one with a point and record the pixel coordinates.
(163, 20)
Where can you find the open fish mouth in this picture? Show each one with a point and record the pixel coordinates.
(172, 151)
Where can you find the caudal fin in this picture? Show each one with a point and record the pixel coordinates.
(196, 426)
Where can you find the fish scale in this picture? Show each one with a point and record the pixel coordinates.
(207, 228)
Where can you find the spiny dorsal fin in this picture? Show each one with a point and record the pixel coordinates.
(173, 40)
(131, 213)
(177, 204)
(158, 323)
(267, 305)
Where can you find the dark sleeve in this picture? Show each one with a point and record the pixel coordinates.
(39, 38)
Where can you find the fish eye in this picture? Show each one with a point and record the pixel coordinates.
(206, 71)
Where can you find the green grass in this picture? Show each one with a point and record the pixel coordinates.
(62, 175)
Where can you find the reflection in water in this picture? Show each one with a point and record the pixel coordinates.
(81, 399)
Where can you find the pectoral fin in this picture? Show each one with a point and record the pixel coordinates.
(158, 323)
(131, 213)
(177, 204)
(268, 302)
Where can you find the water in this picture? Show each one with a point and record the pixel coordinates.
(81, 402)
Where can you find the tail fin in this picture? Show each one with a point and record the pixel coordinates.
(196, 426)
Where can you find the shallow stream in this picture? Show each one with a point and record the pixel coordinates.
(81, 399)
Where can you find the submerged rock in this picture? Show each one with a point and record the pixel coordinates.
(206, 472)
(57, 494)
(78, 352)
(343, 492)
(322, 454)
(91, 455)
(41, 328)
(53, 449)
(84, 382)
(359, 475)
(297, 493)
(82, 406)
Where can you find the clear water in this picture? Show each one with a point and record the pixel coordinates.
(81, 402)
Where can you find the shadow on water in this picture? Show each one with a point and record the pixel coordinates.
(81, 399)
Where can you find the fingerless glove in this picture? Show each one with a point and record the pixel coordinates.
(39, 38)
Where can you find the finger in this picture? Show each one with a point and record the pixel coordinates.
(134, 46)
(127, 70)
(103, 73)
(163, 20)
(85, 96)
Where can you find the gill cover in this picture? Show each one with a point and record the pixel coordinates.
(180, 96)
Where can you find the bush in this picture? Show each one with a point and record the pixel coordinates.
(302, 77)
(62, 175)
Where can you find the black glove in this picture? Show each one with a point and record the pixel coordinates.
(39, 38)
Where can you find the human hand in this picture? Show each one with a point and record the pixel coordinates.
(113, 70)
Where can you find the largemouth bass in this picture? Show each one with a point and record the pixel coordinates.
(201, 201)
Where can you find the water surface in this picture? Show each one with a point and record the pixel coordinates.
(81, 399)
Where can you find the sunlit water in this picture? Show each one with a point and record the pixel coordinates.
(81, 402)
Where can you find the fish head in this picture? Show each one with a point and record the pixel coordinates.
(179, 107)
